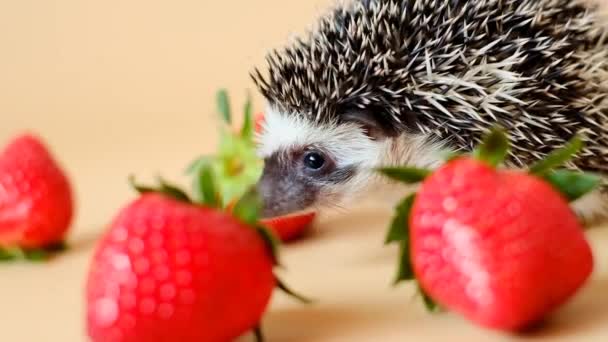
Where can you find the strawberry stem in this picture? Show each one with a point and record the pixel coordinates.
(494, 147)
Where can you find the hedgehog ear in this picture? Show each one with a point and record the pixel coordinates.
(368, 120)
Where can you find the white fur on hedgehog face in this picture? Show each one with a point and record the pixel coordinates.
(349, 146)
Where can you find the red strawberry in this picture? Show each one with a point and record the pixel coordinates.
(169, 269)
(290, 227)
(36, 206)
(259, 122)
(501, 247)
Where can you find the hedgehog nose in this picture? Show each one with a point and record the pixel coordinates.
(263, 189)
(270, 197)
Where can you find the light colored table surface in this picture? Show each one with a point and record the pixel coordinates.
(117, 87)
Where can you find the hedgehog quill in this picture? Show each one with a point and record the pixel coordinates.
(388, 82)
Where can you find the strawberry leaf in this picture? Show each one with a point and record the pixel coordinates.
(271, 241)
(10, 254)
(558, 157)
(165, 188)
(494, 147)
(429, 303)
(409, 175)
(195, 165)
(223, 106)
(571, 184)
(283, 287)
(405, 270)
(173, 191)
(248, 207)
(400, 224)
(248, 126)
(34, 255)
(205, 187)
(142, 189)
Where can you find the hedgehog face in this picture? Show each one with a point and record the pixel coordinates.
(312, 165)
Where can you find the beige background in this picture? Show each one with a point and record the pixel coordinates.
(117, 87)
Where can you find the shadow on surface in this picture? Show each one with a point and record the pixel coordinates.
(587, 312)
(319, 322)
(82, 242)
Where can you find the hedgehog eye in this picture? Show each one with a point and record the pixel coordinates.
(313, 160)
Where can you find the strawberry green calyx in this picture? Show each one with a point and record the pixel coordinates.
(204, 187)
(558, 157)
(399, 233)
(164, 188)
(236, 166)
(248, 127)
(408, 175)
(494, 147)
(493, 150)
(287, 290)
(400, 220)
(15, 253)
(429, 303)
(571, 184)
(223, 105)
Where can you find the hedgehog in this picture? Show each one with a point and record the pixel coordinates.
(400, 82)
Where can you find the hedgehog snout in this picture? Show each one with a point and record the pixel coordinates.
(283, 192)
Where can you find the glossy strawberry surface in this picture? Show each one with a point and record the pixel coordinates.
(36, 200)
(503, 248)
(167, 270)
(291, 227)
